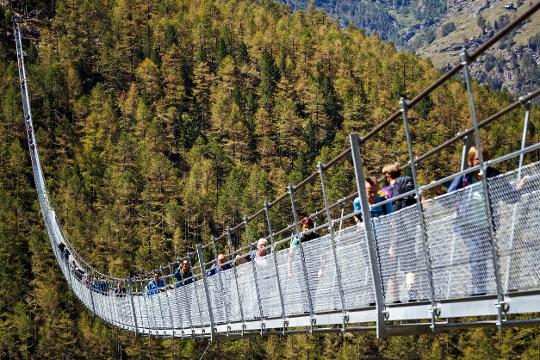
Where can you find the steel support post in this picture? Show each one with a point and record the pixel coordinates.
(464, 151)
(527, 106)
(418, 194)
(143, 297)
(369, 233)
(278, 280)
(501, 305)
(526, 119)
(290, 190)
(235, 273)
(107, 299)
(188, 301)
(329, 220)
(132, 302)
(168, 300)
(206, 291)
(218, 274)
(151, 300)
(91, 297)
(175, 290)
(194, 281)
(254, 267)
(117, 304)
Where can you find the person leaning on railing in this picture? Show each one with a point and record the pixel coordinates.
(306, 235)
(372, 190)
(120, 289)
(183, 274)
(471, 221)
(155, 285)
(261, 251)
(220, 266)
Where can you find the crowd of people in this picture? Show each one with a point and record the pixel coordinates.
(398, 256)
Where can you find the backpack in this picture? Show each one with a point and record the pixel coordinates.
(402, 185)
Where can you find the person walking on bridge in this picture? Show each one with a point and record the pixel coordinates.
(472, 223)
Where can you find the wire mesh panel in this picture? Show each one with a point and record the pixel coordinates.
(122, 306)
(100, 308)
(142, 311)
(458, 237)
(354, 264)
(230, 295)
(248, 294)
(185, 307)
(203, 307)
(516, 218)
(165, 310)
(194, 306)
(401, 257)
(322, 275)
(152, 315)
(268, 290)
(177, 305)
(293, 285)
(219, 294)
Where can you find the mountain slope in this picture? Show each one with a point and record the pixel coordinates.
(441, 30)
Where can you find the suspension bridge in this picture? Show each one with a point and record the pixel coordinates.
(352, 278)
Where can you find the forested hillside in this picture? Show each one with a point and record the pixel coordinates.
(442, 29)
(160, 122)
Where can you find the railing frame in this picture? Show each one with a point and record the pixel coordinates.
(369, 234)
(435, 309)
(206, 292)
(485, 187)
(276, 267)
(329, 221)
(290, 190)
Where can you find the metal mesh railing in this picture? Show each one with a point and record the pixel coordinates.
(402, 261)
(458, 237)
(516, 215)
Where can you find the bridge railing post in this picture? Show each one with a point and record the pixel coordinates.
(485, 187)
(90, 291)
(290, 190)
(188, 303)
(206, 291)
(197, 301)
(418, 195)
(108, 298)
(254, 267)
(145, 315)
(152, 310)
(369, 233)
(167, 297)
(218, 274)
(276, 267)
(175, 287)
(527, 106)
(235, 273)
(329, 220)
(132, 303)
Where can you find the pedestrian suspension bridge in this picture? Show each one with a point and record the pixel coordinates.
(352, 278)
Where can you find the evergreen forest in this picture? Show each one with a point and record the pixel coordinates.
(161, 122)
